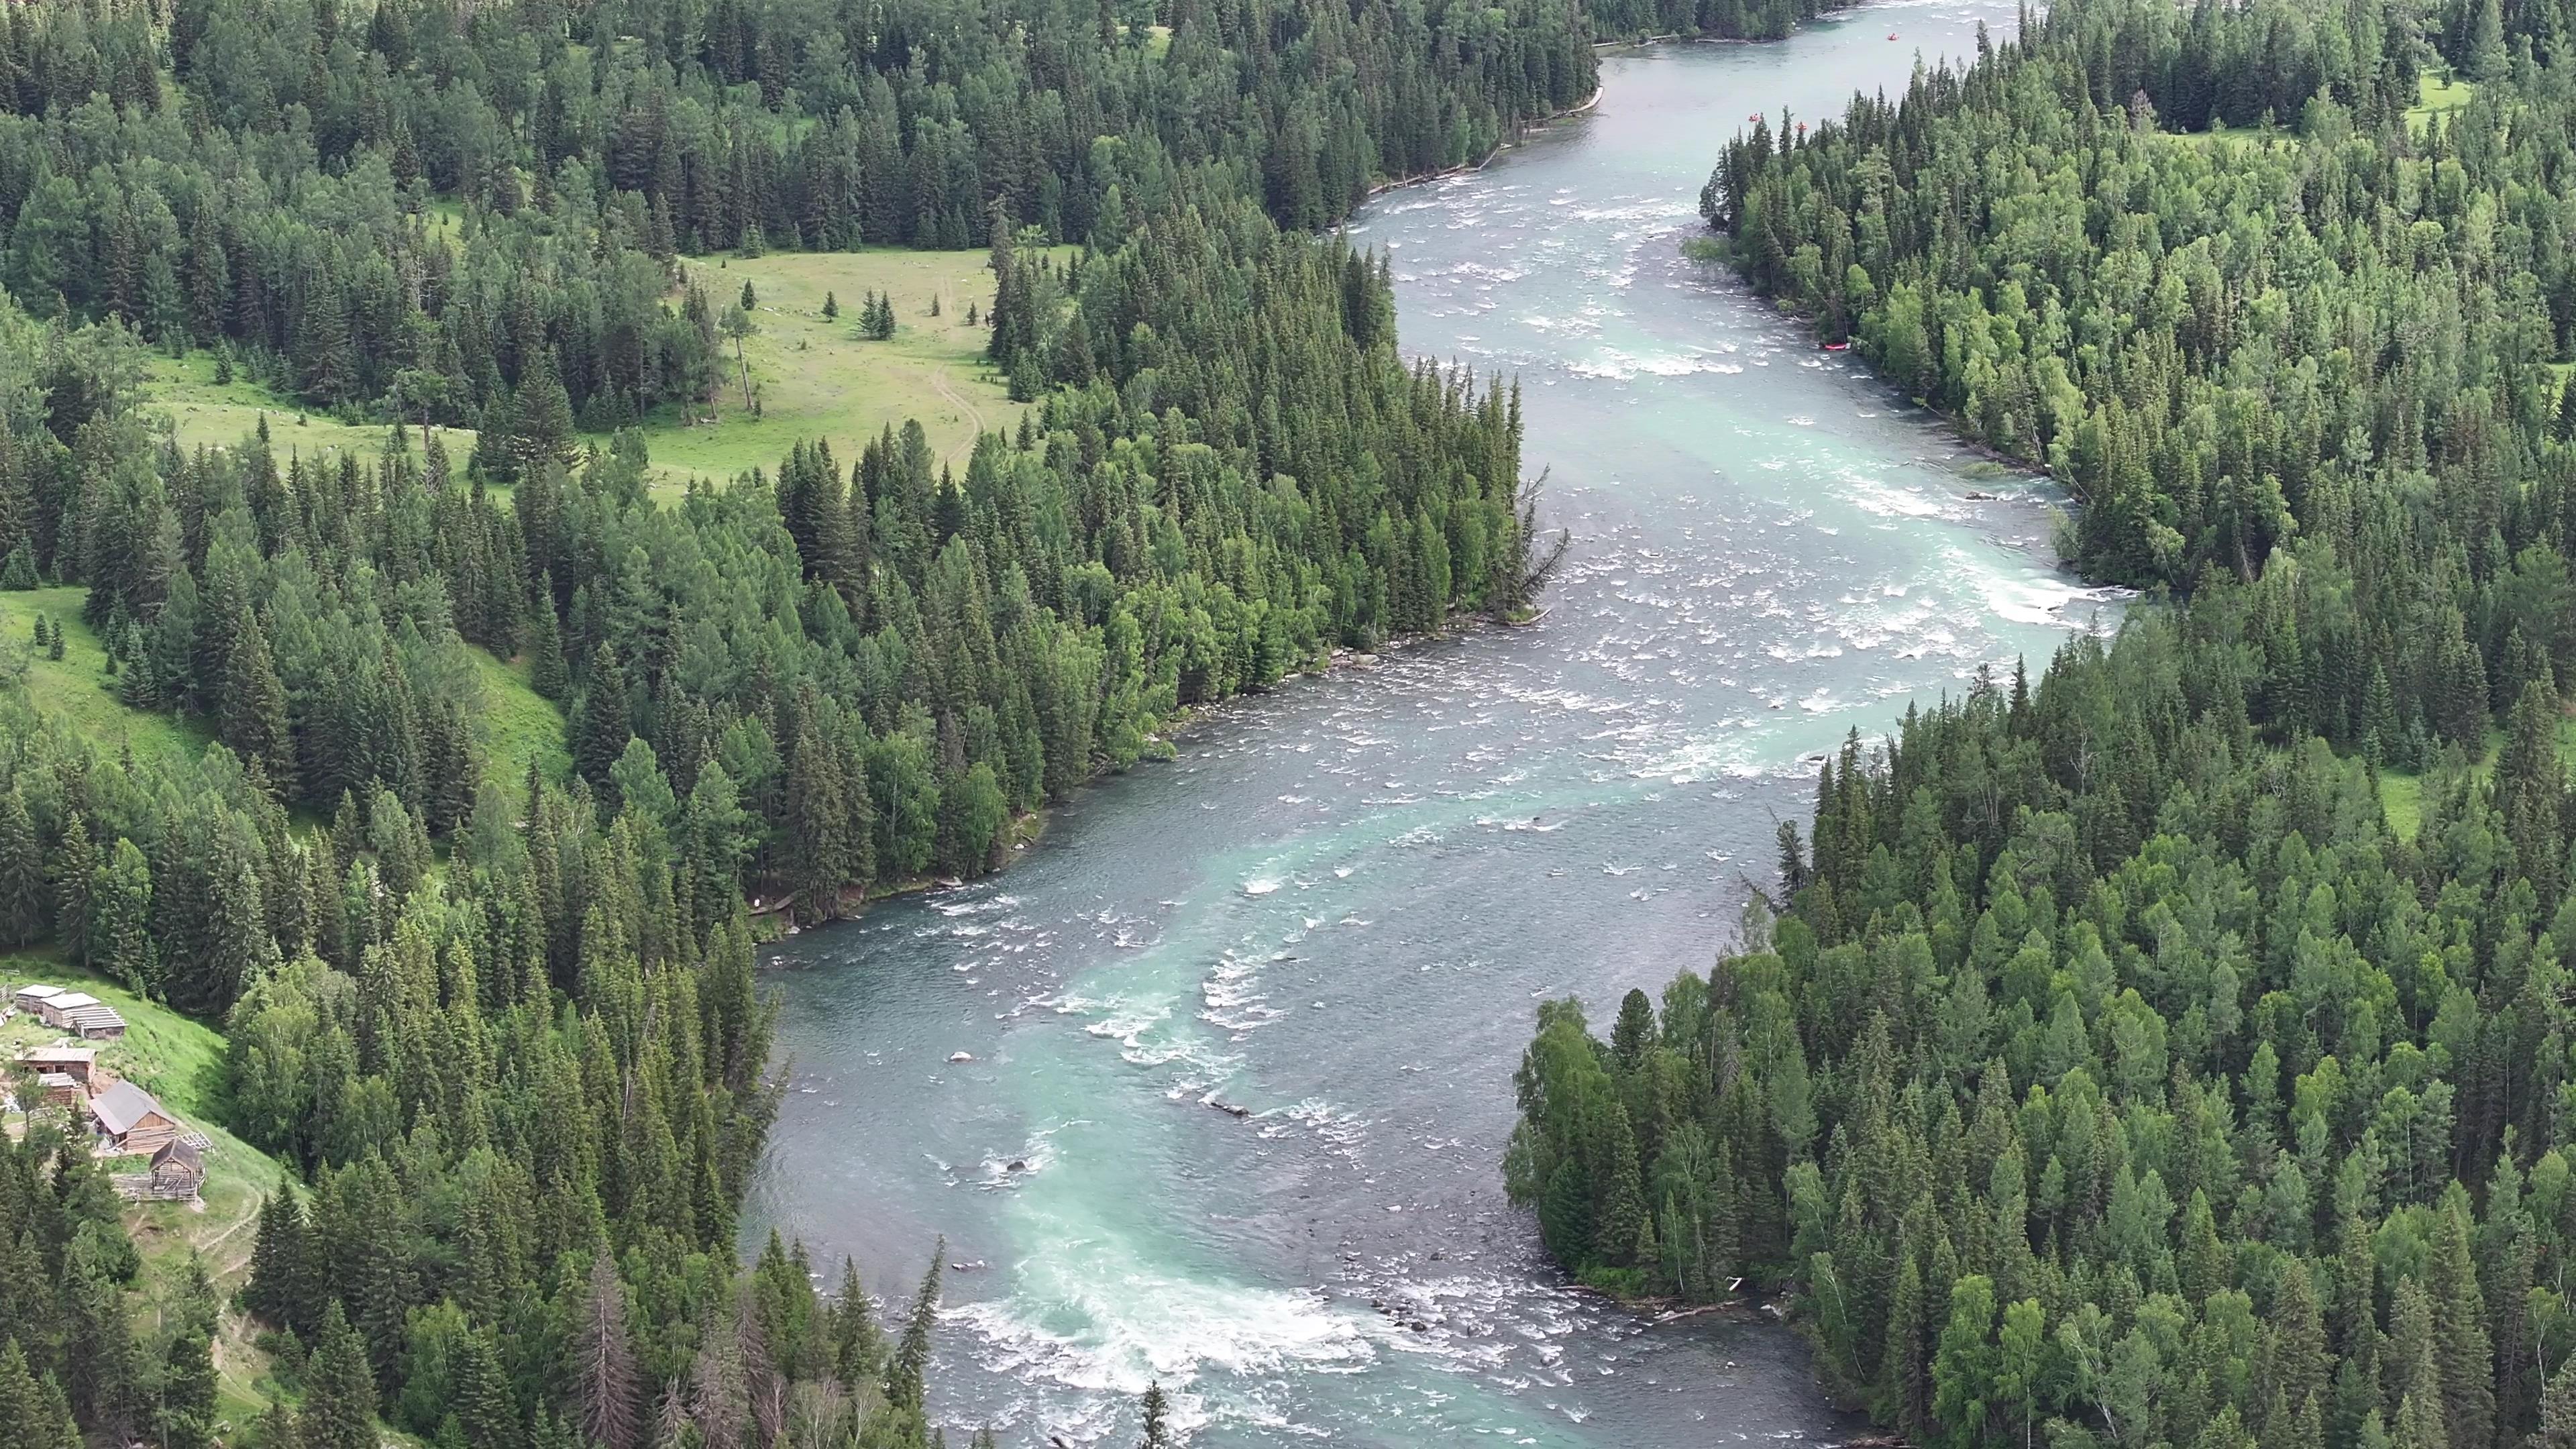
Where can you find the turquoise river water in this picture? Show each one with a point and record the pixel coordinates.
(1337, 908)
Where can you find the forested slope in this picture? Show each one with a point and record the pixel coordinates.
(2114, 1075)
(497, 1011)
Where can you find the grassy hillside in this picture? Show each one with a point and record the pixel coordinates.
(77, 688)
(205, 413)
(179, 1061)
(516, 724)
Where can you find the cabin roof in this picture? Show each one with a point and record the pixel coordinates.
(71, 1000)
(67, 1055)
(122, 1107)
(39, 993)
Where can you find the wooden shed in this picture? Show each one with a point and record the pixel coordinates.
(31, 999)
(178, 1171)
(65, 1061)
(57, 1010)
(129, 1119)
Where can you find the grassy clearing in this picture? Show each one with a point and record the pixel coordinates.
(815, 378)
(2435, 94)
(516, 724)
(819, 379)
(2223, 137)
(180, 1061)
(77, 688)
(206, 413)
(2401, 793)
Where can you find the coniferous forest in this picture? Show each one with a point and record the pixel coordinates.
(2117, 1069)
(501, 1028)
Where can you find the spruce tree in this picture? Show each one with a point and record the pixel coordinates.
(1158, 1433)
(858, 1349)
(548, 673)
(911, 1360)
(339, 1410)
(120, 943)
(600, 722)
(32, 1413)
(250, 708)
(186, 1412)
(25, 913)
(74, 867)
(605, 1385)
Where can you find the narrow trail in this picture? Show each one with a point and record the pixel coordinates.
(939, 380)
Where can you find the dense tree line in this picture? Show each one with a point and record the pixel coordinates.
(2341, 342)
(1613, 20)
(503, 1028)
(2118, 1077)
(2114, 1074)
(267, 192)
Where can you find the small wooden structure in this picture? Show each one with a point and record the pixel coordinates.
(56, 1010)
(73, 1062)
(56, 1090)
(178, 1171)
(96, 1022)
(130, 1119)
(31, 999)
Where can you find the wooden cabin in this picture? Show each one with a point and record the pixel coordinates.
(75, 1063)
(178, 1171)
(31, 999)
(130, 1119)
(56, 1010)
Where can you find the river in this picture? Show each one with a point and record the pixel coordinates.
(1337, 908)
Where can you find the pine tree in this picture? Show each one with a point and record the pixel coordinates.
(32, 1413)
(831, 307)
(25, 913)
(1158, 1434)
(186, 1413)
(605, 1384)
(119, 937)
(911, 1360)
(600, 722)
(339, 1409)
(251, 702)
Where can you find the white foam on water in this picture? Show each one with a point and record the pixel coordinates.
(2030, 596)
(1089, 1315)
